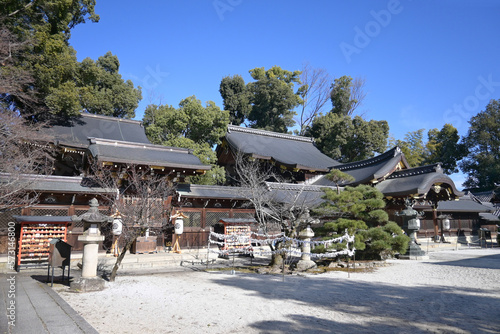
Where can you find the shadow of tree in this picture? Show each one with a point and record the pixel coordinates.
(369, 307)
(488, 261)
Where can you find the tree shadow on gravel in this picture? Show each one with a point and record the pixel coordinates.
(369, 307)
(486, 262)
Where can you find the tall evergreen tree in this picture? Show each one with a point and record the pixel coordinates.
(235, 98)
(60, 84)
(482, 163)
(443, 146)
(273, 98)
(349, 139)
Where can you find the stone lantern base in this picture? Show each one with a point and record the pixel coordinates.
(304, 265)
(87, 284)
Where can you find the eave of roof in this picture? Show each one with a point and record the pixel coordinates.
(370, 170)
(386, 156)
(284, 149)
(60, 184)
(211, 192)
(416, 182)
(489, 217)
(297, 194)
(462, 205)
(42, 219)
(144, 154)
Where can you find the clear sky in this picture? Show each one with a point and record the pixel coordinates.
(425, 62)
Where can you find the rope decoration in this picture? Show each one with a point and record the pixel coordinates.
(232, 243)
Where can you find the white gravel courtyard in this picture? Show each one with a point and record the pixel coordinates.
(452, 292)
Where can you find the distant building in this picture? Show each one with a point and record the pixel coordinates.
(299, 162)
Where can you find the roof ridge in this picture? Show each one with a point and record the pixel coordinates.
(370, 161)
(293, 186)
(84, 114)
(433, 168)
(269, 133)
(104, 141)
(209, 186)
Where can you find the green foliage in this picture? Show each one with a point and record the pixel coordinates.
(202, 125)
(357, 208)
(273, 98)
(190, 126)
(267, 103)
(63, 86)
(348, 139)
(443, 146)
(413, 147)
(482, 163)
(339, 177)
(235, 98)
(53, 16)
(384, 241)
(340, 95)
(102, 89)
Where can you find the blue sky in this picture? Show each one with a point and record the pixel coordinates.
(426, 63)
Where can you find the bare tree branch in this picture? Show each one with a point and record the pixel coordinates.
(358, 93)
(16, 83)
(315, 92)
(25, 152)
(22, 8)
(277, 205)
(140, 200)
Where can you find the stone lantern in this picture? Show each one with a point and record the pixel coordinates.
(91, 237)
(411, 224)
(306, 234)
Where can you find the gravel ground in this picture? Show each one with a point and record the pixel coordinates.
(452, 292)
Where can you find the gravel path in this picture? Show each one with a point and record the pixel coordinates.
(453, 292)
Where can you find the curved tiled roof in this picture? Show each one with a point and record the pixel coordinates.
(144, 154)
(369, 170)
(76, 131)
(416, 181)
(288, 150)
(209, 191)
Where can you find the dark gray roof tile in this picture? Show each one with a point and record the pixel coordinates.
(76, 131)
(288, 150)
(144, 154)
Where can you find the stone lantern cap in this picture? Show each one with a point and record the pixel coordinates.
(409, 211)
(306, 233)
(92, 216)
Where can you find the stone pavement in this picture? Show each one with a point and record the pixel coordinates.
(37, 307)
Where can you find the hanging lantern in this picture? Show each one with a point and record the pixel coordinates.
(178, 221)
(117, 226)
(446, 224)
(179, 225)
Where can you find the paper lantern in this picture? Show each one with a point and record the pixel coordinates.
(179, 225)
(117, 226)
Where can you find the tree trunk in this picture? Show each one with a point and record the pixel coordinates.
(120, 258)
(276, 260)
